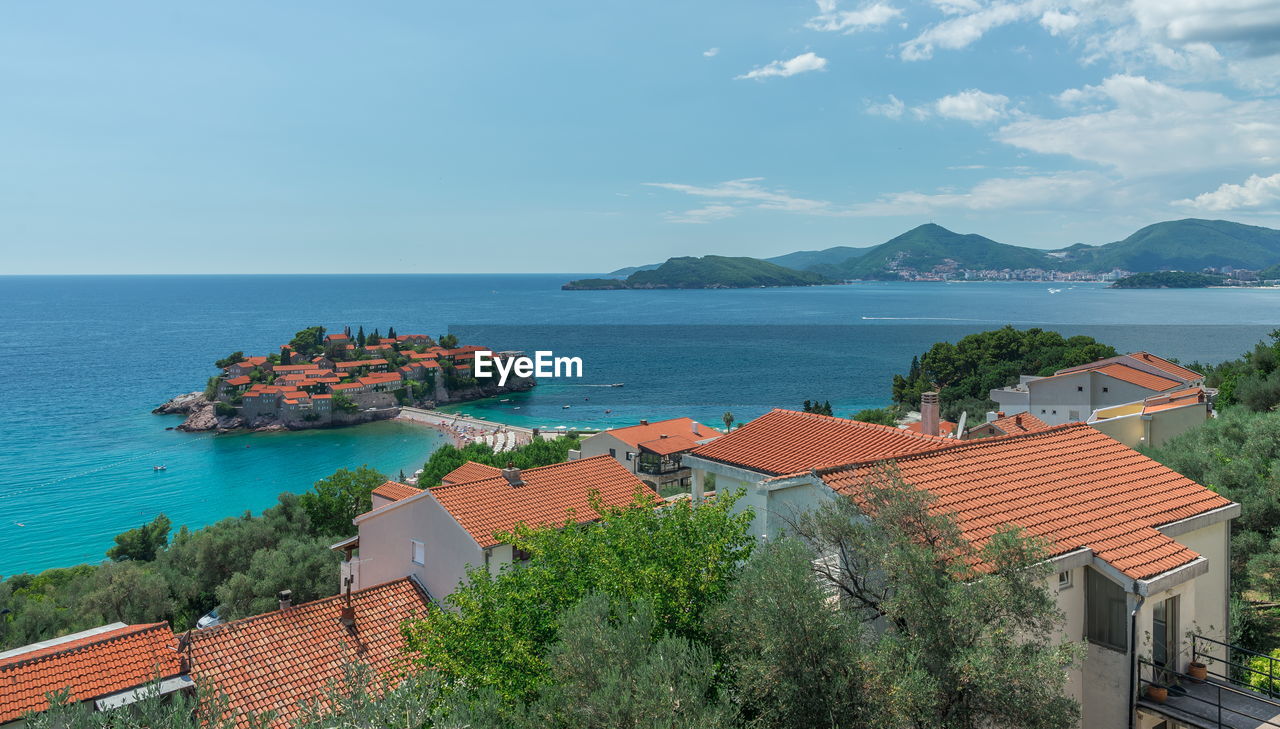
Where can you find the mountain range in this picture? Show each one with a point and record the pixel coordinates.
(1187, 245)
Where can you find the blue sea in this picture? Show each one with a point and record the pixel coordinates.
(89, 357)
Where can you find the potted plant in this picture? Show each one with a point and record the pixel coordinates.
(1157, 693)
(1197, 671)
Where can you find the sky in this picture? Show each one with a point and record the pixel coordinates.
(417, 136)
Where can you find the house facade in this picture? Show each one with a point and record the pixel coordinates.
(1074, 393)
(1140, 554)
(654, 452)
(1153, 421)
(435, 535)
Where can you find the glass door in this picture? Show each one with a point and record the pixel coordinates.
(1164, 634)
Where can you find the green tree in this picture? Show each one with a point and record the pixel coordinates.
(142, 543)
(608, 670)
(792, 657)
(309, 341)
(304, 565)
(537, 453)
(361, 340)
(448, 341)
(333, 502)
(879, 416)
(391, 333)
(728, 421)
(952, 611)
(343, 403)
(681, 559)
(229, 360)
(127, 592)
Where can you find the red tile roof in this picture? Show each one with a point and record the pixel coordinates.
(238, 381)
(252, 362)
(636, 434)
(547, 496)
(339, 337)
(470, 471)
(394, 490)
(1018, 423)
(1168, 401)
(1164, 364)
(359, 363)
(1070, 484)
(277, 660)
(669, 445)
(1138, 377)
(945, 427)
(92, 666)
(786, 441)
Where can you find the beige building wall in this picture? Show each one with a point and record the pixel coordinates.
(1132, 430)
(386, 546)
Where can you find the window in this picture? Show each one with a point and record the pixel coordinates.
(1105, 390)
(1042, 411)
(613, 453)
(1079, 388)
(1064, 579)
(418, 551)
(1164, 633)
(1105, 616)
(629, 454)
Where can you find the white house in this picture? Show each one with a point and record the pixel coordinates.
(437, 533)
(1072, 394)
(1141, 554)
(652, 451)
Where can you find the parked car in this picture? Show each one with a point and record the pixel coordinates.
(209, 619)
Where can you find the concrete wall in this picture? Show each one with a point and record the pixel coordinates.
(600, 443)
(1059, 400)
(1132, 430)
(386, 554)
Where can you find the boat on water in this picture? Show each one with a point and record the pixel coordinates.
(505, 399)
(158, 468)
(617, 384)
(566, 407)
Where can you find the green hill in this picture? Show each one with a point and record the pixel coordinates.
(708, 272)
(1181, 245)
(627, 271)
(807, 260)
(931, 245)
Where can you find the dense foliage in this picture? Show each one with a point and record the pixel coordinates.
(818, 408)
(1169, 280)
(540, 452)
(1253, 380)
(926, 246)
(964, 373)
(679, 559)
(238, 563)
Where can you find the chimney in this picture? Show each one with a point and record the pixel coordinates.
(695, 429)
(512, 474)
(929, 413)
(348, 615)
(644, 422)
(664, 435)
(286, 599)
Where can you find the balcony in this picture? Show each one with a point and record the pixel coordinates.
(1224, 700)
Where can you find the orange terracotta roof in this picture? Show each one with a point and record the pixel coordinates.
(470, 471)
(322, 397)
(1070, 484)
(636, 434)
(1181, 398)
(296, 368)
(394, 490)
(1138, 377)
(359, 363)
(787, 441)
(1018, 423)
(945, 427)
(547, 496)
(277, 660)
(1164, 364)
(238, 381)
(347, 386)
(422, 355)
(337, 337)
(667, 446)
(92, 666)
(252, 362)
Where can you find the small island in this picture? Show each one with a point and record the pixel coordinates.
(321, 380)
(707, 272)
(1169, 280)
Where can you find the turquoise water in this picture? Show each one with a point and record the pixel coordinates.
(90, 356)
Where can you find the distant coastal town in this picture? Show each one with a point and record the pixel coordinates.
(321, 380)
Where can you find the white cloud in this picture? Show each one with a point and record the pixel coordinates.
(1058, 23)
(1254, 24)
(831, 18)
(892, 108)
(746, 191)
(1142, 127)
(703, 215)
(971, 105)
(800, 64)
(970, 22)
(711, 52)
(1261, 194)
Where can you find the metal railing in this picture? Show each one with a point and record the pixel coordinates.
(1214, 693)
(1202, 650)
